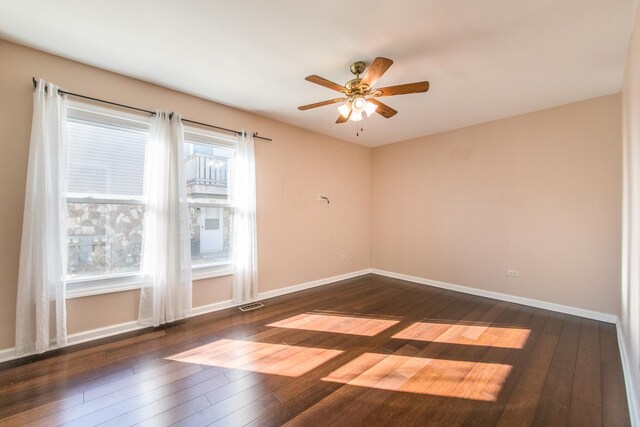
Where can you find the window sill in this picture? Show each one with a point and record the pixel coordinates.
(209, 271)
(78, 288)
(95, 289)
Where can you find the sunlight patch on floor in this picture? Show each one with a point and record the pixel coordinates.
(437, 377)
(452, 333)
(280, 359)
(338, 324)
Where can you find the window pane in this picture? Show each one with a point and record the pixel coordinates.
(210, 229)
(207, 172)
(103, 239)
(207, 175)
(105, 160)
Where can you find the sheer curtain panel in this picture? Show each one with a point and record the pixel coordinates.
(166, 252)
(244, 232)
(40, 307)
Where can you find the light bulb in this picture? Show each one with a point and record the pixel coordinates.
(344, 110)
(358, 104)
(356, 116)
(370, 108)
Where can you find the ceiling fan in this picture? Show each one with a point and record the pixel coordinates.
(360, 96)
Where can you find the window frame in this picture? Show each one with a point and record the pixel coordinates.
(119, 282)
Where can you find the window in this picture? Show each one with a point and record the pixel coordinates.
(105, 209)
(105, 206)
(207, 168)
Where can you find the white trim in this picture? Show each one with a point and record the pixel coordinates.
(7, 354)
(312, 284)
(103, 199)
(209, 271)
(85, 287)
(212, 137)
(96, 285)
(628, 381)
(210, 308)
(589, 314)
(80, 337)
(94, 334)
(278, 292)
(107, 331)
(88, 291)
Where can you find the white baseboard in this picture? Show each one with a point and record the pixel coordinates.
(589, 314)
(312, 284)
(628, 382)
(79, 338)
(8, 354)
(210, 308)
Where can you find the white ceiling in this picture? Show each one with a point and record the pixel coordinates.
(484, 59)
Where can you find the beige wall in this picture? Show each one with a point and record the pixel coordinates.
(630, 313)
(538, 193)
(299, 238)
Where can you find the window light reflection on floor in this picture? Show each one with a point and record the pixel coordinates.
(438, 377)
(337, 324)
(465, 334)
(280, 359)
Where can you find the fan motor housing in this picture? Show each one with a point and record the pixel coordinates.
(358, 67)
(354, 87)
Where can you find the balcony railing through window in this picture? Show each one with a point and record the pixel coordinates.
(202, 169)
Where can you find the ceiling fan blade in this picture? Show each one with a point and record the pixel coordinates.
(320, 104)
(324, 82)
(377, 68)
(383, 109)
(342, 119)
(417, 87)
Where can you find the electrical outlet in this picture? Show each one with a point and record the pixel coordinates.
(321, 197)
(513, 273)
(343, 257)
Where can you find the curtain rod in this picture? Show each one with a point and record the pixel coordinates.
(152, 113)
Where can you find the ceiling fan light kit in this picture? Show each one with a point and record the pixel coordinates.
(360, 95)
(344, 110)
(370, 108)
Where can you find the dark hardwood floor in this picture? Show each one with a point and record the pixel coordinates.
(365, 351)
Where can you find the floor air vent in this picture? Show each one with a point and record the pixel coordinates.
(252, 306)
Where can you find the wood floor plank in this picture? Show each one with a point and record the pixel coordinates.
(370, 350)
(89, 408)
(532, 320)
(614, 398)
(247, 414)
(586, 395)
(555, 402)
(523, 402)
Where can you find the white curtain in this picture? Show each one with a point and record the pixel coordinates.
(40, 308)
(166, 256)
(244, 238)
